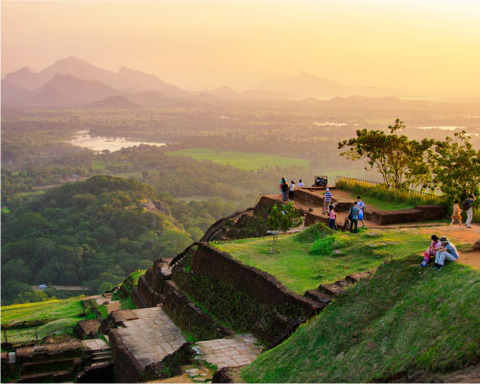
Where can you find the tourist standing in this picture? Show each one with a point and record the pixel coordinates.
(457, 213)
(326, 200)
(361, 206)
(291, 192)
(447, 251)
(468, 206)
(300, 184)
(284, 187)
(354, 211)
(332, 216)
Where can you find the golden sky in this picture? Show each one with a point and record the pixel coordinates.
(421, 45)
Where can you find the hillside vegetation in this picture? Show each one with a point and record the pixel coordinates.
(404, 324)
(92, 233)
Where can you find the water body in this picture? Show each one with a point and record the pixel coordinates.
(330, 124)
(98, 143)
(443, 127)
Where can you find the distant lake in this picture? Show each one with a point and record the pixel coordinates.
(99, 143)
(443, 127)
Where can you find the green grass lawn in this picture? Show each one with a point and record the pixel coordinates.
(62, 315)
(304, 262)
(403, 321)
(242, 160)
(382, 204)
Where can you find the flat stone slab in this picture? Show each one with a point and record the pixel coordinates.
(87, 329)
(95, 345)
(230, 352)
(152, 336)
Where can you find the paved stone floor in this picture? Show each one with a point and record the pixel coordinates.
(152, 336)
(231, 352)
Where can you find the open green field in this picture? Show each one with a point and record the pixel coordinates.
(60, 316)
(406, 324)
(307, 259)
(242, 160)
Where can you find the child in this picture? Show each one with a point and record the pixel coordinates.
(457, 213)
(332, 215)
(431, 251)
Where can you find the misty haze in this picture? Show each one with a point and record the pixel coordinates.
(237, 191)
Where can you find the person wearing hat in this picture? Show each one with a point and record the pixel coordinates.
(326, 200)
(447, 251)
(431, 251)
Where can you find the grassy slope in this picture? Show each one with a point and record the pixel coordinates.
(406, 323)
(242, 160)
(303, 264)
(64, 315)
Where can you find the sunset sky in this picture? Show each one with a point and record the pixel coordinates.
(421, 46)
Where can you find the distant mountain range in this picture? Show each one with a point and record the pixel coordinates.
(73, 82)
(308, 85)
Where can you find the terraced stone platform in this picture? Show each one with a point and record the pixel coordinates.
(152, 336)
(147, 345)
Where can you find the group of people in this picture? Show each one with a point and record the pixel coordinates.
(355, 213)
(288, 190)
(457, 211)
(440, 249)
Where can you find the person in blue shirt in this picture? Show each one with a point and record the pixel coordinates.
(448, 252)
(353, 213)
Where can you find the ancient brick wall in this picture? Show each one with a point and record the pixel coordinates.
(245, 297)
(126, 368)
(261, 285)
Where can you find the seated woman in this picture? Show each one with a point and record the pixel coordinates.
(431, 250)
(447, 251)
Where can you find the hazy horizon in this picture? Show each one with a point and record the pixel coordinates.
(422, 48)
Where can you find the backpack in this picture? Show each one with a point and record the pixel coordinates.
(466, 205)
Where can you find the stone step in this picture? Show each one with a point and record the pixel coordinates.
(52, 365)
(331, 289)
(46, 377)
(355, 277)
(319, 297)
(100, 359)
(98, 355)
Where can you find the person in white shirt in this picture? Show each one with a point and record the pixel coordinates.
(291, 192)
(300, 183)
(361, 205)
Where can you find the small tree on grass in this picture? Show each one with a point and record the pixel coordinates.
(282, 219)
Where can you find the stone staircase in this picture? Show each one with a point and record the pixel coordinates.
(54, 370)
(325, 293)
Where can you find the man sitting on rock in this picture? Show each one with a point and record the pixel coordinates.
(448, 252)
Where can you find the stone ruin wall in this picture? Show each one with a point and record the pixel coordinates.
(284, 310)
